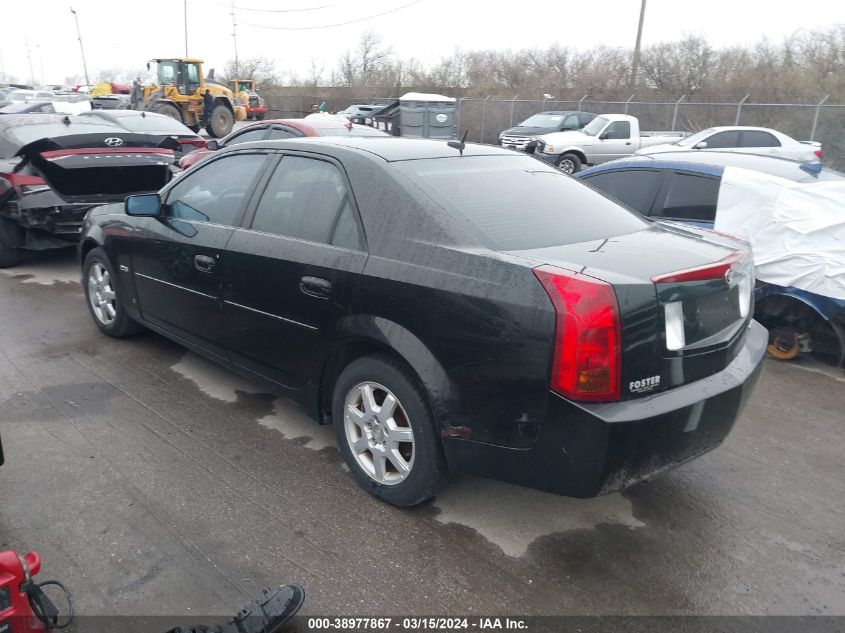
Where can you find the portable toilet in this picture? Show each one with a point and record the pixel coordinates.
(424, 115)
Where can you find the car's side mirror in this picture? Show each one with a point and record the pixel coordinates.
(604, 136)
(212, 145)
(701, 145)
(143, 205)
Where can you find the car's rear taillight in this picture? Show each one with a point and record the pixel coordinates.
(22, 183)
(190, 142)
(819, 153)
(587, 362)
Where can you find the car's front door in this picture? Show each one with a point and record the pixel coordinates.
(178, 260)
(290, 274)
(613, 142)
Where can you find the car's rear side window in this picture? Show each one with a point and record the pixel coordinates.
(307, 199)
(518, 202)
(690, 198)
(758, 138)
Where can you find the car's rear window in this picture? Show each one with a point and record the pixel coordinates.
(518, 203)
(360, 130)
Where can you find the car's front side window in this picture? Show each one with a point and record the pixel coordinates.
(722, 140)
(216, 191)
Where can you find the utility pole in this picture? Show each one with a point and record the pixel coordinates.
(40, 63)
(29, 59)
(81, 49)
(186, 28)
(235, 39)
(635, 63)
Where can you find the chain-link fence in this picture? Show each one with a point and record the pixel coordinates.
(485, 118)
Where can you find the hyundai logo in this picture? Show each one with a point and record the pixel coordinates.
(114, 141)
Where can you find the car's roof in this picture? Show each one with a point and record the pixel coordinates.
(714, 162)
(740, 128)
(389, 148)
(564, 112)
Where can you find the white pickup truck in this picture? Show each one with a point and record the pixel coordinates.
(605, 138)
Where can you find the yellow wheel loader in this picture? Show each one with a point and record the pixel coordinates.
(179, 91)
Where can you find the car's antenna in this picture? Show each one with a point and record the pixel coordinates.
(459, 145)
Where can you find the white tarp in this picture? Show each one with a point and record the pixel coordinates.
(796, 230)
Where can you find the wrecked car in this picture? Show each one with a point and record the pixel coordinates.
(438, 305)
(54, 168)
(791, 212)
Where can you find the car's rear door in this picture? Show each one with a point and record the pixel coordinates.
(178, 258)
(291, 272)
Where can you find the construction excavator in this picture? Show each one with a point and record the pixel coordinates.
(178, 93)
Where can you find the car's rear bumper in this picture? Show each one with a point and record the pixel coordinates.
(586, 450)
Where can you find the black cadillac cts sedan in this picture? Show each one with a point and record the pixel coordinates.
(446, 311)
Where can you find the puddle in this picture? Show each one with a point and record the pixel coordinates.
(44, 273)
(293, 423)
(512, 517)
(212, 379)
(221, 384)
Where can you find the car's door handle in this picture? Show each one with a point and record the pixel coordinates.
(204, 263)
(316, 287)
(628, 143)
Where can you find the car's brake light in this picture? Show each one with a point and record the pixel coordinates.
(198, 142)
(588, 339)
(23, 183)
(707, 272)
(819, 153)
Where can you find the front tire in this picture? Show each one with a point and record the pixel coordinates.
(220, 122)
(103, 297)
(569, 164)
(386, 433)
(168, 109)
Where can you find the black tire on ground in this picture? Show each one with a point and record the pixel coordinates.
(121, 325)
(168, 109)
(248, 116)
(569, 163)
(428, 468)
(259, 117)
(220, 122)
(9, 239)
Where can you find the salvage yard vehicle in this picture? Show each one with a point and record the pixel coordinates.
(748, 140)
(156, 124)
(541, 123)
(281, 129)
(605, 138)
(792, 213)
(441, 308)
(179, 95)
(54, 168)
(247, 91)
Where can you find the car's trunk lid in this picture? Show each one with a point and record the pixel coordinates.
(682, 315)
(101, 167)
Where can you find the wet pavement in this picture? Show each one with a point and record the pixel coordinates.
(152, 481)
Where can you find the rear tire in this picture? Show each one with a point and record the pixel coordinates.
(103, 297)
(168, 109)
(392, 450)
(259, 117)
(9, 239)
(220, 122)
(569, 164)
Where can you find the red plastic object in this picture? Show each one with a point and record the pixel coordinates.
(16, 615)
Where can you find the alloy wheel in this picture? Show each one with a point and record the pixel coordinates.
(566, 166)
(101, 294)
(379, 433)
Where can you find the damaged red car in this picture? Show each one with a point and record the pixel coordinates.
(54, 168)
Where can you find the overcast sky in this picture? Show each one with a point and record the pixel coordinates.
(125, 34)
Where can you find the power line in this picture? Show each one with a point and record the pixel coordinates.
(327, 26)
(325, 6)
